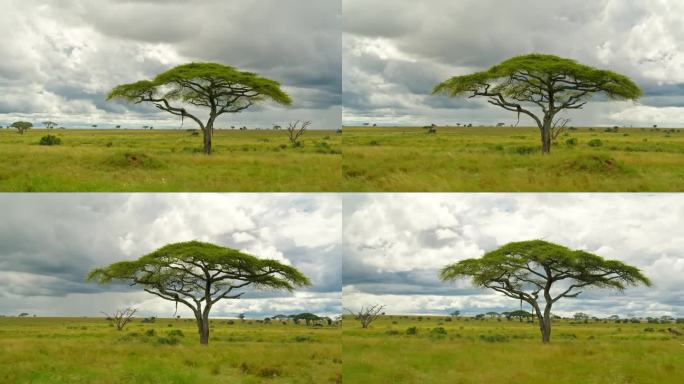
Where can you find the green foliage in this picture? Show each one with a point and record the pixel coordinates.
(159, 269)
(537, 70)
(595, 143)
(515, 262)
(50, 140)
(21, 126)
(411, 331)
(571, 142)
(189, 83)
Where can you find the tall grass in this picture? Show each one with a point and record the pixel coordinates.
(509, 160)
(74, 350)
(492, 351)
(169, 160)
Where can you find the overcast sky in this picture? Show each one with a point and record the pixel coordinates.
(49, 242)
(60, 58)
(395, 51)
(395, 245)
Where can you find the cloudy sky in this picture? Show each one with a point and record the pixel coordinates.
(60, 58)
(395, 51)
(395, 244)
(49, 242)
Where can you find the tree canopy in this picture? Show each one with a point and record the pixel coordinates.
(219, 88)
(549, 82)
(22, 126)
(198, 275)
(537, 270)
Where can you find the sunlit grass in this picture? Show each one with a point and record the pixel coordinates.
(504, 351)
(508, 160)
(169, 160)
(74, 350)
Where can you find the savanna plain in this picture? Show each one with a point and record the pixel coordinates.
(507, 159)
(436, 349)
(89, 350)
(113, 160)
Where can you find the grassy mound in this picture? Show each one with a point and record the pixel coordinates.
(134, 160)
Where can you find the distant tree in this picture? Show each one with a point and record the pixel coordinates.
(580, 316)
(49, 125)
(492, 314)
(519, 314)
(241, 316)
(307, 317)
(23, 314)
(524, 270)
(366, 315)
(551, 83)
(121, 317)
(455, 313)
(215, 87)
(295, 130)
(21, 126)
(198, 275)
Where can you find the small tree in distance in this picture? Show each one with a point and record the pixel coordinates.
(21, 126)
(547, 82)
(295, 130)
(366, 315)
(121, 317)
(49, 125)
(527, 269)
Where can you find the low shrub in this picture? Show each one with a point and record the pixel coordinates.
(50, 140)
(595, 143)
(495, 338)
(411, 331)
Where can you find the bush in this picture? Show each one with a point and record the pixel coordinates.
(150, 332)
(595, 143)
(438, 331)
(50, 140)
(411, 331)
(374, 143)
(176, 333)
(302, 339)
(571, 142)
(167, 341)
(392, 332)
(496, 338)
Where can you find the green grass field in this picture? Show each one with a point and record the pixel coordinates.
(508, 160)
(510, 352)
(169, 161)
(76, 350)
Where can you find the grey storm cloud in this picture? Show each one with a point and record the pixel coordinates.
(48, 243)
(394, 52)
(395, 245)
(66, 56)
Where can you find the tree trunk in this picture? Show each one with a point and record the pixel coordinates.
(203, 329)
(207, 138)
(545, 324)
(546, 137)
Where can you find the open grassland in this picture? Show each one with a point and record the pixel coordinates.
(504, 351)
(169, 161)
(74, 350)
(509, 160)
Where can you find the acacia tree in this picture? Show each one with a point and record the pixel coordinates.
(551, 83)
(21, 126)
(215, 87)
(198, 275)
(527, 269)
(49, 125)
